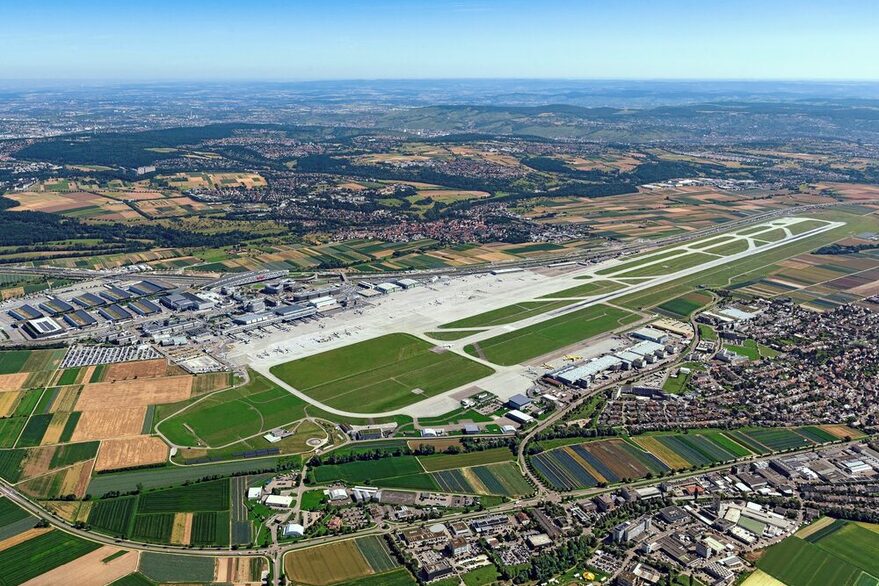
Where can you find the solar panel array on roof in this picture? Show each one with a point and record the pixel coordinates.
(144, 307)
(55, 306)
(79, 319)
(25, 312)
(144, 288)
(114, 313)
(114, 294)
(42, 327)
(89, 300)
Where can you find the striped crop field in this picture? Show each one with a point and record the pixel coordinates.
(494, 479)
(609, 461)
(589, 464)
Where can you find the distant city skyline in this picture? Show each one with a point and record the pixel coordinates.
(396, 39)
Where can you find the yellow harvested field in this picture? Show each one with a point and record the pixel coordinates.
(129, 393)
(8, 401)
(90, 570)
(237, 571)
(71, 480)
(22, 537)
(67, 510)
(814, 527)
(841, 431)
(326, 564)
(761, 578)
(474, 481)
(181, 531)
(55, 429)
(13, 382)
(439, 445)
(658, 449)
(132, 370)
(109, 423)
(66, 398)
(37, 462)
(131, 452)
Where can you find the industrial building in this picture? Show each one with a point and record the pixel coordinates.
(151, 287)
(387, 288)
(324, 303)
(115, 294)
(650, 334)
(144, 307)
(55, 306)
(519, 417)
(79, 319)
(42, 327)
(186, 301)
(24, 313)
(114, 313)
(518, 401)
(89, 300)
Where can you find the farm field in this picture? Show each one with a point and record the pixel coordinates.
(436, 462)
(545, 337)
(161, 567)
(490, 472)
(609, 461)
(506, 315)
(829, 556)
(502, 479)
(343, 561)
(39, 555)
(384, 373)
(196, 514)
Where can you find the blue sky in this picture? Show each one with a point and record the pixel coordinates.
(369, 39)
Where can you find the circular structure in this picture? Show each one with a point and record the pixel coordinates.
(315, 441)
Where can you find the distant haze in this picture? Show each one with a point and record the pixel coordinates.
(415, 39)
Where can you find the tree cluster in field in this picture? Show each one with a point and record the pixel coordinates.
(834, 249)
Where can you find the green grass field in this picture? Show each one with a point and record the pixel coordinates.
(799, 563)
(366, 471)
(380, 374)
(451, 336)
(586, 290)
(669, 266)
(506, 315)
(234, 414)
(538, 339)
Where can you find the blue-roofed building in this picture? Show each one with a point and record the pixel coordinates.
(55, 306)
(24, 313)
(518, 401)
